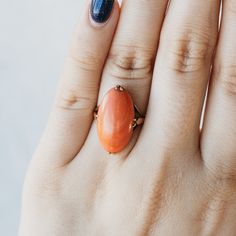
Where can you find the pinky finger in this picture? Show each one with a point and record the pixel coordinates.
(72, 114)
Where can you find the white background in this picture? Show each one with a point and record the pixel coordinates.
(34, 37)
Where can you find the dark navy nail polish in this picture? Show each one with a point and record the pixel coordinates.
(101, 10)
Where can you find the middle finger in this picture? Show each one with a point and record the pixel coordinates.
(181, 74)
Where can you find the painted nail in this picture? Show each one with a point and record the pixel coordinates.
(101, 10)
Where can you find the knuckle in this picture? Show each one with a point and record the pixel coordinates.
(85, 61)
(130, 63)
(227, 78)
(188, 54)
(69, 99)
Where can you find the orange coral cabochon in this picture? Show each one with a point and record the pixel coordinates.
(115, 119)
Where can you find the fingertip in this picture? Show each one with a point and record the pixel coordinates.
(103, 13)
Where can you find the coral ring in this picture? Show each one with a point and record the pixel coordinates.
(117, 117)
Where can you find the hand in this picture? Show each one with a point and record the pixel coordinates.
(173, 178)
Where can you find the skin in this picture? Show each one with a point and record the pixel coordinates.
(173, 178)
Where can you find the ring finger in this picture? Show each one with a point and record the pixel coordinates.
(131, 58)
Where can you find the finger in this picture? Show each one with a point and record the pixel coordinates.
(72, 113)
(219, 131)
(130, 61)
(181, 74)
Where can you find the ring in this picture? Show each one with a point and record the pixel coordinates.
(117, 117)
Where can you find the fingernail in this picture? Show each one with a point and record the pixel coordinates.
(101, 10)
